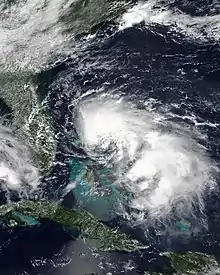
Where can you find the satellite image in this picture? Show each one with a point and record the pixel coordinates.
(109, 137)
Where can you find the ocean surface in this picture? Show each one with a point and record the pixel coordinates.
(145, 67)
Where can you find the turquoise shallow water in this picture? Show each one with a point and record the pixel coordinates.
(94, 191)
(152, 60)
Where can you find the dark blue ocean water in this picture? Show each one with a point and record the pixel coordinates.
(181, 76)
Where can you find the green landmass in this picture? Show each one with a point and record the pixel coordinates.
(83, 15)
(32, 213)
(90, 227)
(191, 263)
(18, 92)
(39, 132)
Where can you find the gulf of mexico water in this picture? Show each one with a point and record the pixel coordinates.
(142, 94)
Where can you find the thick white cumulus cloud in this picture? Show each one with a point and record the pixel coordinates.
(160, 163)
(17, 171)
(156, 12)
